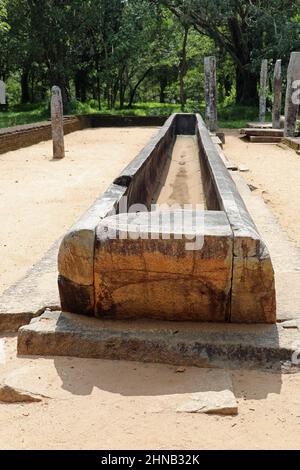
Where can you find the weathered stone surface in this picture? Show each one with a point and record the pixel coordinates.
(277, 96)
(264, 140)
(263, 90)
(76, 298)
(292, 97)
(253, 288)
(177, 343)
(160, 278)
(262, 132)
(211, 93)
(76, 251)
(221, 403)
(32, 294)
(76, 254)
(259, 125)
(253, 285)
(57, 123)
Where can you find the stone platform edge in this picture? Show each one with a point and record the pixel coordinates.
(175, 343)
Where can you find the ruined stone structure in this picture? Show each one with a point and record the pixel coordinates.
(263, 91)
(57, 123)
(292, 95)
(277, 96)
(105, 273)
(211, 93)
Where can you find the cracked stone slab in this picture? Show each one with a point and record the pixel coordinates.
(31, 295)
(215, 396)
(176, 343)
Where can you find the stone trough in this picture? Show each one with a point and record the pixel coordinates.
(203, 263)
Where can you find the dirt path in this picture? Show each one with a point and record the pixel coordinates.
(41, 198)
(275, 172)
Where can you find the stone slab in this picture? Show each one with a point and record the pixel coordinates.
(255, 139)
(32, 294)
(259, 125)
(177, 343)
(262, 132)
(292, 142)
(222, 403)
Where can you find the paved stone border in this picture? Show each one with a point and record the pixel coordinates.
(31, 295)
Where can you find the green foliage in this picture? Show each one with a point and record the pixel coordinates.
(114, 53)
(28, 114)
(231, 116)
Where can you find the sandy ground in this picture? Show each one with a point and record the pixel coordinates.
(41, 198)
(98, 404)
(275, 172)
(114, 405)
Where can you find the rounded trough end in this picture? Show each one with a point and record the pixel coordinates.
(76, 256)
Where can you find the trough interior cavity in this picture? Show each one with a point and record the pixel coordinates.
(181, 181)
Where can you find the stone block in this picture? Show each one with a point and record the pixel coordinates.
(160, 278)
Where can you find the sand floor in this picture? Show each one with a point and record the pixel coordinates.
(41, 198)
(102, 404)
(115, 405)
(182, 183)
(275, 172)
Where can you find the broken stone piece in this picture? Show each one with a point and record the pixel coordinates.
(222, 402)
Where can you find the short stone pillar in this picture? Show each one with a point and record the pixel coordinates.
(277, 95)
(57, 116)
(211, 115)
(2, 94)
(292, 95)
(263, 91)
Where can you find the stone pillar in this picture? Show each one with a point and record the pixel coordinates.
(277, 95)
(292, 95)
(211, 115)
(57, 123)
(263, 91)
(2, 93)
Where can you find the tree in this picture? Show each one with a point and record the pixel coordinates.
(244, 29)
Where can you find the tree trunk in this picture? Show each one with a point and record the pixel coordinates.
(183, 69)
(246, 88)
(81, 85)
(135, 88)
(163, 83)
(25, 95)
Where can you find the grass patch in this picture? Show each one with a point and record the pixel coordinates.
(19, 115)
(234, 117)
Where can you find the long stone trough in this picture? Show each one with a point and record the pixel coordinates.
(128, 258)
